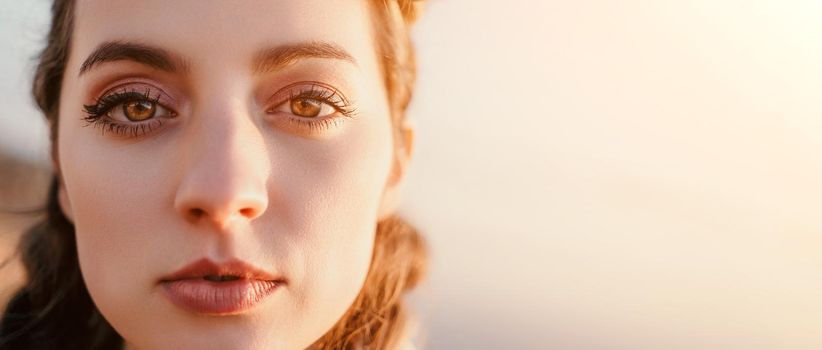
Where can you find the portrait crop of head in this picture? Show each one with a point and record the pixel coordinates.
(410, 174)
(226, 175)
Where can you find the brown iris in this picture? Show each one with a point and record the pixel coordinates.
(306, 107)
(139, 110)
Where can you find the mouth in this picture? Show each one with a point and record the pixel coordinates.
(229, 270)
(229, 288)
(216, 278)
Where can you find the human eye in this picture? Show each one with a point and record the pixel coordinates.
(312, 105)
(128, 112)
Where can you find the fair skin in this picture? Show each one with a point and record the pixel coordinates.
(218, 164)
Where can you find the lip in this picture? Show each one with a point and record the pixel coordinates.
(188, 289)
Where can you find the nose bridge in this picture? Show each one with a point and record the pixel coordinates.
(225, 167)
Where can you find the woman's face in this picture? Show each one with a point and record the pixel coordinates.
(251, 139)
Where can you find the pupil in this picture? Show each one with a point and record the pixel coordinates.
(138, 110)
(306, 107)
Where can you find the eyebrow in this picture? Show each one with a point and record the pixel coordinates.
(151, 56)
(275, 58)
(265, 60)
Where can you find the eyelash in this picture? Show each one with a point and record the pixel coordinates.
(98, 113)
(316, 91)
(319, 92)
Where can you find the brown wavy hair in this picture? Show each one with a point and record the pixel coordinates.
(54, 307)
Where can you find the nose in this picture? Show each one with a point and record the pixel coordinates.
(224, 169)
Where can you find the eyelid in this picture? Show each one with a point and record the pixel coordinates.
(139, 83)
(114, 96)
(143, 87)
(291, 91)
(312, 127)
(99, 114)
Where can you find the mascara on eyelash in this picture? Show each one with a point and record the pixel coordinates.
(97, 113)
(322, 93)
(106, 103)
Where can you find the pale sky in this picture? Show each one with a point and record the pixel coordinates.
(596, 174)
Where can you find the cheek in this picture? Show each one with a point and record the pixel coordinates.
(121, 202)
(119, 205)
(335, 192)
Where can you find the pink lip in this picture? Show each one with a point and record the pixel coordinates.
(188, 288)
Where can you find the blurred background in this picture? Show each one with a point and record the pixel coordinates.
(590, 174)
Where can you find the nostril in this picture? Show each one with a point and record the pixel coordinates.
(197, 213)
(247, 212)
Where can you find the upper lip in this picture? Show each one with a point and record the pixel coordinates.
(232, 267)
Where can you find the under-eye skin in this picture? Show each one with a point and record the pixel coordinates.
(311, 105)
(128, 112)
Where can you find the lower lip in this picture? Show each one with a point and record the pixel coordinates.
(218, 298)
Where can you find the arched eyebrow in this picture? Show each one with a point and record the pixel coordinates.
(275, 58)
(151, 56)
(265, 60)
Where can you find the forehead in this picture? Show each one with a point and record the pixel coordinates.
(219, 32)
